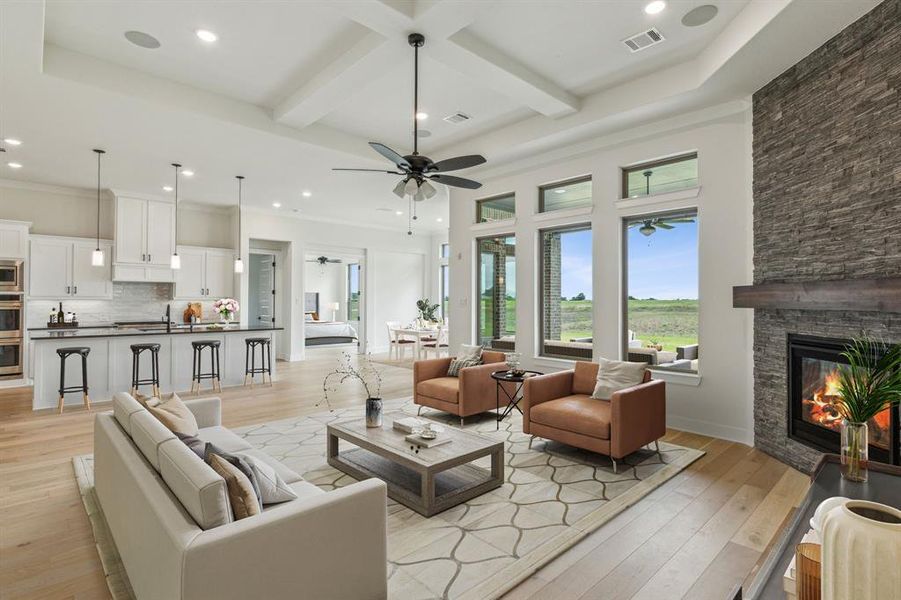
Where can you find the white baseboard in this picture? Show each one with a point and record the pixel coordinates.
(725, 432)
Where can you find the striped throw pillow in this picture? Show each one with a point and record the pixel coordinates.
(454, 369)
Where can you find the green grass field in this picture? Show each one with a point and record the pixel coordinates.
(668, 322)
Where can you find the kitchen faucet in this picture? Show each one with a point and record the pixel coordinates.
(168, 318)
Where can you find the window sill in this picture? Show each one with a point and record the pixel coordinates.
(641, 201)
(506, 225)
(555, 363)
(564, 214)
(690, 379)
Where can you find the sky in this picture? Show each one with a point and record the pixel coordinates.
(663, 265)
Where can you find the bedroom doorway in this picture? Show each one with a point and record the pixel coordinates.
(334, 305)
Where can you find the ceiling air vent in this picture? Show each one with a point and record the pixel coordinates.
(643, 40)
(457, 117)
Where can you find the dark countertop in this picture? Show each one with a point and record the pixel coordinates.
(101, 331)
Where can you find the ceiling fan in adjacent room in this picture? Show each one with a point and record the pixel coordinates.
(649, 226)
(323, 260)
(419, 170)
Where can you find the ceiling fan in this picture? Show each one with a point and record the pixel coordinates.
(418, 170)
(323, 260)
(649, 226)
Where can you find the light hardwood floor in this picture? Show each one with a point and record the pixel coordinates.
(694, 537)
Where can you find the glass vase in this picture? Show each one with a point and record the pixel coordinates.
(225, 317)
(854, 451)
(373, 412)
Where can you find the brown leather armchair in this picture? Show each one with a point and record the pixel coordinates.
(471, 393)
(559, 407)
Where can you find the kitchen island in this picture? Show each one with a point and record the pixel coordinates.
(109, 363)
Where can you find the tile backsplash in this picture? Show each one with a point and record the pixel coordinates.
(131, 302)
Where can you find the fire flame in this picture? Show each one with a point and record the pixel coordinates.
(822, 410)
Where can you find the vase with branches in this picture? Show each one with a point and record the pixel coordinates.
(869, 384)
(365, 373)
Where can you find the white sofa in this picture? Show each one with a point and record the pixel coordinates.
(170, 518)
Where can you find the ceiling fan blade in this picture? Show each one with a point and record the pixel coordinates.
(390, 154)
(682, 220)
(663, 225)
(458, 162)
(460, 182)
(371, 171)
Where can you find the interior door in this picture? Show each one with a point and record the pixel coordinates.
(131, 230)
(220, 275)
(160, 232)
(89, 281)
(262, 289)
(50, 263)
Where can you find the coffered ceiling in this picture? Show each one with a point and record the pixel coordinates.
(291, 89)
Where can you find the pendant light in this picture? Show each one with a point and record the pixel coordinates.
(175, 261)
(97, 254)
(239, 264)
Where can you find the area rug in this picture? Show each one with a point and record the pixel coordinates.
(554, 496)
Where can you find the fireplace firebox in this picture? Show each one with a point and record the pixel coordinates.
(813, 365)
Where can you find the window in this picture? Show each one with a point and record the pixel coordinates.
(661, 273)
(444, 285)
(575, 193)
(496, 311)
(498, 208)
(661, 176)
(566, 290)
(353, 292)
(444, 251)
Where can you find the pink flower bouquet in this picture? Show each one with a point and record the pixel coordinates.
(226, 307)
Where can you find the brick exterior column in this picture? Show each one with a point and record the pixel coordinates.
(551, 265)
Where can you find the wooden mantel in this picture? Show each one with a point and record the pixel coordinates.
(880, 295)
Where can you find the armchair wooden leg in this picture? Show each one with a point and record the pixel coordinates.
(461, 421)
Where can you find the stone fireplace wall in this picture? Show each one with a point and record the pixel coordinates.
(827, 199)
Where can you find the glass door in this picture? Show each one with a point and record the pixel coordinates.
(261, 294)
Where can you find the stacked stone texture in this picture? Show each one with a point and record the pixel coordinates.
(827, 199)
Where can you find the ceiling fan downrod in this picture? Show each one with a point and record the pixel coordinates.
(417, 40)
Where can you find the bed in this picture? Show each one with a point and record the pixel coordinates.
(320, 333)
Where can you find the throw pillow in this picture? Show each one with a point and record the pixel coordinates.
(469, 351)
(616, 375)
(174, 415)
(243, 501)
(194, 443)
(273, 488)
(239, 462)
(461, 363)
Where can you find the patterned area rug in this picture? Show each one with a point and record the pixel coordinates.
(554, 496)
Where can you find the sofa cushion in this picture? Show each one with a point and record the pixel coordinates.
(223, 438)
(199, 489)
(284, 472)
(616, 375)
(241, 496)
(584, 377)
(578, 413)
(237, 461)
(440, 388)
(273, 489)
(173, 413)
(148, 434)
(123, 407)
(305, 489)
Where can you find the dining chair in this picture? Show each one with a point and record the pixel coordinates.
(439, 345)
(397, 342)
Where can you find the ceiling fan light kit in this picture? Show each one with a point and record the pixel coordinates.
(419, 170)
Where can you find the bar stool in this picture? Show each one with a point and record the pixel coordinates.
(250, 368)
(65, 353)
(154, 381)
(197, 375)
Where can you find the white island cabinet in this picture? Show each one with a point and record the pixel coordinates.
(109, 362)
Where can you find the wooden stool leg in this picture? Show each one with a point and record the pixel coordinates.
(218, 372)
(246, 358)
(84, 382)
(269, 361)
(253, 363)
(62, 383)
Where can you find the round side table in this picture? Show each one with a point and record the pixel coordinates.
(512, 401)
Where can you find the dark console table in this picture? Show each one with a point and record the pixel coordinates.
(884, 486)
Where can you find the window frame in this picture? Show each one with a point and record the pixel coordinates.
(695, 212)
(349, 293)
(556, 184)
(662, 162)
(578, 226)
(480, 201)
(478, 290)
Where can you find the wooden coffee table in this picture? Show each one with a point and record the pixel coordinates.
(427, 480)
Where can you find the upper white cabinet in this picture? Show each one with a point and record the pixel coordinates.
(61, 268)
(145, 238)
(206, 273)
(14, 239)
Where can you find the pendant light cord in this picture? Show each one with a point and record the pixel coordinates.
(177, 166)
(99, 153)
(240, 181)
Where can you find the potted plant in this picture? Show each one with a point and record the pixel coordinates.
(368, 376)
(226, 307)
(427, 311)
(869, 384)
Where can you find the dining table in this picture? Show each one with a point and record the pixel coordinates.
(419, 335)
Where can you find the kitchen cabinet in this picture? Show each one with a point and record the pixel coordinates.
(145, 238)
(14, 239)
(61, 268)
(205, 274)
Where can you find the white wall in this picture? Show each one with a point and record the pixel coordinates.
(330, 281)
(715, 403)
(390, 269)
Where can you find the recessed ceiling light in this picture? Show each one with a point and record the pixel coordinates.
(422, 116)
(276, 204)
(306, 193)
(206, 35)
(439, 219)
(13, 141)
(143, 40)
(188, 173)
(14, 165)
(560, 191)
(655, 7)
(700, 15)
(424, 133)
(398, 212)
(167, 188)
